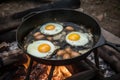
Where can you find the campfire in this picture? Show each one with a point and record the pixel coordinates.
(103, 63)
(42, 71)
(16, 66)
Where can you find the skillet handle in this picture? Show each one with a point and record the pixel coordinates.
(114, 46)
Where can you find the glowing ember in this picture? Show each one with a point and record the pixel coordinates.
(41, 71)
(27, 63)
(60, 73)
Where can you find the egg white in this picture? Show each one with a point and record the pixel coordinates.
(81, 42)
(58, 29)
(32, 48)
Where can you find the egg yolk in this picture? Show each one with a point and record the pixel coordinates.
(44, 48)
(50, 27)
(74, 37)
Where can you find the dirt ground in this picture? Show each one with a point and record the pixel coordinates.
(107, 12)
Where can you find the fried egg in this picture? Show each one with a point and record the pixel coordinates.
(51, 28)
(77, 38)
(41, 48)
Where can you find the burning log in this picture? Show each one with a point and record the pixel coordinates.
(108, 54)
(110, 57)
(10, 57)
(60, 73)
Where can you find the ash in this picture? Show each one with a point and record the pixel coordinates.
(106, 69)
(13, 46)
(9, 49)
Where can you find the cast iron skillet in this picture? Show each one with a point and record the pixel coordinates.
(62, 15)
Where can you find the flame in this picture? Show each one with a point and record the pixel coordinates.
(26, 64)
(60, 73)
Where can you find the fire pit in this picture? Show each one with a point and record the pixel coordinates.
(16, 65)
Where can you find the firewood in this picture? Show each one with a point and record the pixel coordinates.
(110, 58)
(86, 75)
(12, 57)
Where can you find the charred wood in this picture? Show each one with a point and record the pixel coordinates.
(10, 57)
(86, 75)
(114, 77)
(109, 57)
(97, 71)
(8, 75)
